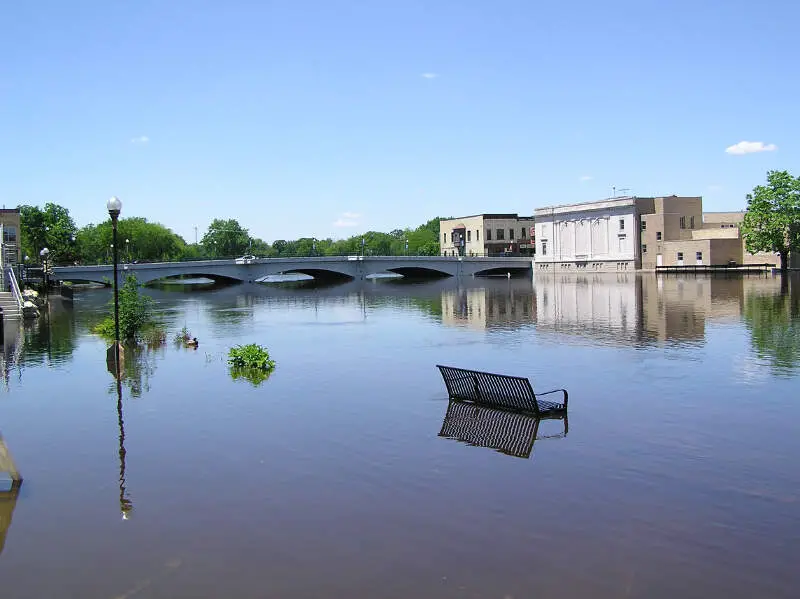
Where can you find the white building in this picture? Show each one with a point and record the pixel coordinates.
(600, 235)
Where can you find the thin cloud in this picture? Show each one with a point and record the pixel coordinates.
(586, 178)
(750, 147)
(142, 139)
(347, 219)
(429, 75)
(715, 187)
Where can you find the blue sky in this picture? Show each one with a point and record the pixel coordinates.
(328, 118)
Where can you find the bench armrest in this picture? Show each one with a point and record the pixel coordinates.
(564, 391)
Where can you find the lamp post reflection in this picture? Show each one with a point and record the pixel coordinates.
(125, 503)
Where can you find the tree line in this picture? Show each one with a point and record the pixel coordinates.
(53, 228)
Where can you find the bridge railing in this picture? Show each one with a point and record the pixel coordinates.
(305, 256)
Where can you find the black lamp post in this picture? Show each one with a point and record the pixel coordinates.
(44, 253)
(114, 208)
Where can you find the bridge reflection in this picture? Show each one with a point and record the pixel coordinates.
(511, 433)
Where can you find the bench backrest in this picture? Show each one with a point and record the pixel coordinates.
(499, 390)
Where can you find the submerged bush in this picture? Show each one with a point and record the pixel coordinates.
(183, 335)
(250, 362)
(135, 313)
(251, 356)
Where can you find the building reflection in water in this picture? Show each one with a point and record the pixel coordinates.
(11, 351)
(510, 303)
(642, 308)
(511, 433)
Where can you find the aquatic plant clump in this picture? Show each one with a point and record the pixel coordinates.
(251, 356)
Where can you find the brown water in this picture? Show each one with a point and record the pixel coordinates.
(678, 476)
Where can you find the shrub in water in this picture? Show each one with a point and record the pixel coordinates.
(134, 313)
(183, 335)
(251, 356)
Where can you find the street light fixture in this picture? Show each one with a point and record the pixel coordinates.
(114, 208)
(406, 247)
(44, 253)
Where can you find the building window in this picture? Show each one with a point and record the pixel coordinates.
(699, 256)
(511, 233)
(658, 235)
(469, 238)
(644, 248)
(522, 233)
(9, 234)
(444, 237)
(488, 234)
(644, 225)
(680, 256)
(544, 247)
(501, 234)
(622, 224)
(477, 234)
(683, 222)
(691, 222)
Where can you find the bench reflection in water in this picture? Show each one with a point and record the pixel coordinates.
(511, 433)
(10, 481)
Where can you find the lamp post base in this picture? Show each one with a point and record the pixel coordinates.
(116, 369)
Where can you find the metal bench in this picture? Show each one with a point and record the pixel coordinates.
(500, 391)
(511, 433)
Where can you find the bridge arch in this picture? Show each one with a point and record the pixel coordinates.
(515, 271)
(320, 274)
(216, 278)
(419, 272)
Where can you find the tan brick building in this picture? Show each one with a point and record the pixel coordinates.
(487, 235)
(10, 231)
(716, 241)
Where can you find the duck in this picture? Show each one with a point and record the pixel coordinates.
(191, 342)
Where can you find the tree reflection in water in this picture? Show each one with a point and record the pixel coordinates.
(138, 367)
(774, 325)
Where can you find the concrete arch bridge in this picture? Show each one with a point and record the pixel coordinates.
(322, 267)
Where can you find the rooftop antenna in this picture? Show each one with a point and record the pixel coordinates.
(624, 190)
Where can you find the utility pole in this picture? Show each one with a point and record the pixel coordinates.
(195, 234)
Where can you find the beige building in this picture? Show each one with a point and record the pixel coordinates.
(10, 229)
(717, 242)
(487, 235)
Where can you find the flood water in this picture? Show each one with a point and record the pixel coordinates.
(349, 474)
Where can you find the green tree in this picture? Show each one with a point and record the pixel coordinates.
(226, 238)
(138, 240)
(50, 227)
(772, 221)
